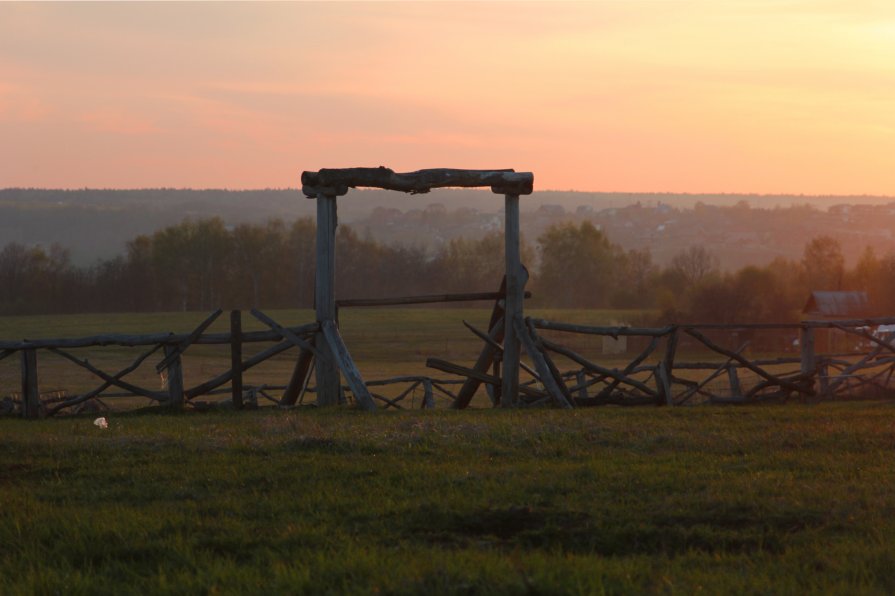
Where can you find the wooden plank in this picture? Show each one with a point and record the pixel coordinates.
(298, 382)
(30, 389)
(346, 365)
(265, 336)
(714, 365)
(663, 382)
(670, 351)
(613, 332)
(150, 339)
(424, 299)
(175, 378)
(399, 379)
(337, 181)
(486, 357)
(549, 374)
(236, 358)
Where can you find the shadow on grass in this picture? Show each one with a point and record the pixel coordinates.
(734, 532)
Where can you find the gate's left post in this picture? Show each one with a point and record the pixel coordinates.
(30, 391)
(328, 380)
(509, 394)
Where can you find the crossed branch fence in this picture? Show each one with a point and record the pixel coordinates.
(675, 365)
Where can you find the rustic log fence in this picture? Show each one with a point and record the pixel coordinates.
(559, 373)
(657, 376)
(30, 402)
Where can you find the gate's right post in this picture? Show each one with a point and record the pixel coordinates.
(328, 380)
(513, 304)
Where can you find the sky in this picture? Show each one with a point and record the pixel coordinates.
(701, 96)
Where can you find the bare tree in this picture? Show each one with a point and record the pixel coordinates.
(695, 264)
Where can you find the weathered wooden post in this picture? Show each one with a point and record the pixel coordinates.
(667, 370)
(236, 358)
(428, 397)
(509, 393)
(30, 390)
(733, 378)
(175, 377)
(328, 383)
(809, 362)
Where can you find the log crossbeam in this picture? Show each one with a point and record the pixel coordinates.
(335, 182)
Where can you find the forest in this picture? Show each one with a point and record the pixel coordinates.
(203, 264)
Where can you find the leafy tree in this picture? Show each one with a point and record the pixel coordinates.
(577, 267)
(637, 279)
(824, 263)
(467, 265)
(299, 263)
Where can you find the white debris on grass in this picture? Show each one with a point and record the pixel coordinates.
(101, 422)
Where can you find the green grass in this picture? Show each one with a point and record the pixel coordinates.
(786, 499)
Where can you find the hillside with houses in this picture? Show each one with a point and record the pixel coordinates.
(739, 229)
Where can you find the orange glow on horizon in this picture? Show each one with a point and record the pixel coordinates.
(677, 96)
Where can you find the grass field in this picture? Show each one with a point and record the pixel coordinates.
(771, 500)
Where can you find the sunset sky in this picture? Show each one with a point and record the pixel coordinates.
(681, 96)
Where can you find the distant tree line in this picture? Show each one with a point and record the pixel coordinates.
(203, 264)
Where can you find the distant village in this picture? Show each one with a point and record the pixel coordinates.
(738, 235)
(739, 229)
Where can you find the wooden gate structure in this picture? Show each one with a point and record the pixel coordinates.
(506, 326)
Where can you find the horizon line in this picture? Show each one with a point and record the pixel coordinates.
(483, 189)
